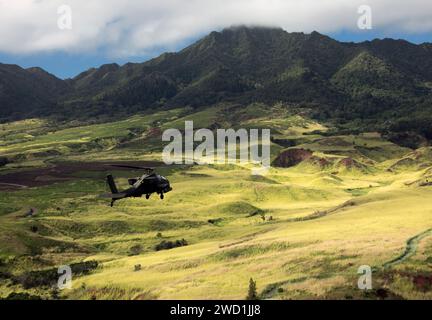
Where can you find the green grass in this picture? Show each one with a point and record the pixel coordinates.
(325, 222)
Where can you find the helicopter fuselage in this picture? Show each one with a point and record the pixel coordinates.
(146, 185)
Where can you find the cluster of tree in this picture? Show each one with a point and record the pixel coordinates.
(420, 125)
(21, 296)
(49, 277)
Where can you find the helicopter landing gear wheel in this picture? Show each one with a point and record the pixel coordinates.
(147, 196)
(161, 196)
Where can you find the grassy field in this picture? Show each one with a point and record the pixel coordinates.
(300, 232)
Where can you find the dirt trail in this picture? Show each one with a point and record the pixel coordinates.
(411, 248)
(11, 185)
(62, 171)
(321, 214)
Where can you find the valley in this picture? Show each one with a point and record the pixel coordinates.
(330, 203)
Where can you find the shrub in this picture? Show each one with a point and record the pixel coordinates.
(137, 267)
(252, 292)
(214, 221)
(166, 245)
(55, 294)
(135, 250)
(22, 296)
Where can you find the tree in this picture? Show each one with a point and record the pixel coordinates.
(137, 267)
(252, 292)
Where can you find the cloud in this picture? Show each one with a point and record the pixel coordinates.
(131, 27)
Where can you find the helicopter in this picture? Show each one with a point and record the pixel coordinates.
(150, 182)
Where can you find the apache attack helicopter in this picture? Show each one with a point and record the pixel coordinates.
(150, 182)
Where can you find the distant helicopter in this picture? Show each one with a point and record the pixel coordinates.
(150, 182)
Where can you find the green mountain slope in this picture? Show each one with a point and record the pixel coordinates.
(373, 84)
(27, 92)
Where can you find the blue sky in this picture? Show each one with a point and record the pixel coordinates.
(65, 65)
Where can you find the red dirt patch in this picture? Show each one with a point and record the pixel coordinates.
(422, 282)
(350, 163)
(292, 157)
(321, 162)
(154, 132)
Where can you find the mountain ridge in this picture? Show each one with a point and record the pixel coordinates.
(242, 65)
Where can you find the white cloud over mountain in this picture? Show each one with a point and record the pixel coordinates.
(130, 27)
